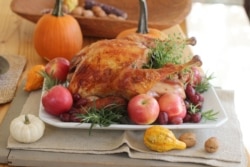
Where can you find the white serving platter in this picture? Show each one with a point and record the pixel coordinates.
(211, 102)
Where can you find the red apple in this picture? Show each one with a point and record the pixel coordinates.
(57, 100)
(173, 105)
(143, 109)
(58, 68)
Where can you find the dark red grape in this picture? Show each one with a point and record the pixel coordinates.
(76, 97)
(187, 104)
(201, 97)
(162, 118)
(74, 117)
(187, 118)
(190, 91)
(176, 120)
(74, 110)
(65, 117)
(81, 102)
(195, 99)
(196, 117)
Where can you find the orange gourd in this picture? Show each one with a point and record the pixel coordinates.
(57, 35)
(34, 78)
(152, 33)
(143, 26)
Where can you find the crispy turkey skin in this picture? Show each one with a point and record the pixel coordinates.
(114, 68)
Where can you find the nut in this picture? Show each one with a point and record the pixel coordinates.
(77, 11)
(211, 145)
(98, 11)
(88, 13)
(189, 138)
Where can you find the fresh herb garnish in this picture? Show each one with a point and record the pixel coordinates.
(169, 51)
(104, 117)
(49, 81)
(209, 115)
(205, 115)
(205, 84)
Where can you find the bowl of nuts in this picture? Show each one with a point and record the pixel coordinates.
(107, 18)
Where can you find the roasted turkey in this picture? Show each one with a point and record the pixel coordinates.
(114, 68)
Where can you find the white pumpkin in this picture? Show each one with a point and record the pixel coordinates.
(27, 128)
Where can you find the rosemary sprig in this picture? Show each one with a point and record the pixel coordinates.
(205, 84)
(206, 115)
(169, 51)
(49, 81)
(210, 115)
(104, 117)
(193, 109)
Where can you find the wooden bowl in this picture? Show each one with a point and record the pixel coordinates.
(162, 14)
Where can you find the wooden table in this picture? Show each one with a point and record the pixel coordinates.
(16, 39)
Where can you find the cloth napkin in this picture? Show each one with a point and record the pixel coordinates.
(231, 152)
(9, 80)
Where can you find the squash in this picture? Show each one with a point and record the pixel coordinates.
(160, 139)
(27, 128)
(34, 78)
(70, 4)
(143, 25)
(57, 35)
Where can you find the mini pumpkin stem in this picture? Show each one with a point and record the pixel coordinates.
(57, 11)
(143, 18)
(26, 119)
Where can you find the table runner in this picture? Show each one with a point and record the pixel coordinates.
(230, 154)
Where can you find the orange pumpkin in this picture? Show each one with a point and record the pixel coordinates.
(143, 25)
(57, 35)
(152, 32)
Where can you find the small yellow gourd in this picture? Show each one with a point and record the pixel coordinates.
(160, 139)
(71, 4)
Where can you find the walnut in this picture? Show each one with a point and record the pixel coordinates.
(189, 138)
(211, 145)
